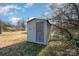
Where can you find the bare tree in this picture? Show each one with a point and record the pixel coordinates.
(66, 17)
(21, 24)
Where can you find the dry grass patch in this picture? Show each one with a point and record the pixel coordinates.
(10, 38)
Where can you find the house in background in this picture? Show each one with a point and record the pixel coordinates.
(38, 31)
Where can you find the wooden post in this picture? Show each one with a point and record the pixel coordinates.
(0, 27)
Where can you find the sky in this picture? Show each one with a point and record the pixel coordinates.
(12, 12)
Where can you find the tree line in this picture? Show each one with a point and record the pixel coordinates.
(7, 26)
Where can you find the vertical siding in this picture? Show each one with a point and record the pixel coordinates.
(45, 33)
(48, 31)
(31, 31)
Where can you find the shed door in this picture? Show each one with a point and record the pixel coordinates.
(40, 31)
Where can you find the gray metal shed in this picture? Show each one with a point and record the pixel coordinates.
(38, 31)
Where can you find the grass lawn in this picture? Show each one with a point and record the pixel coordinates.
(15, 44)
(22, 49)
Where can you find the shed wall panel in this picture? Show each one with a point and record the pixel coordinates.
(31, 30)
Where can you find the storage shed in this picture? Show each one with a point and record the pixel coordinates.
(38, 31)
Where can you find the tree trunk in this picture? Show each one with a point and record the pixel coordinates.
(69, 34)
(0, 29)
(65, 30)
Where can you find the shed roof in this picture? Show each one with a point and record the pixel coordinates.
(38, 19)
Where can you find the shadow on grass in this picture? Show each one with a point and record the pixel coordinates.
(22, 49)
